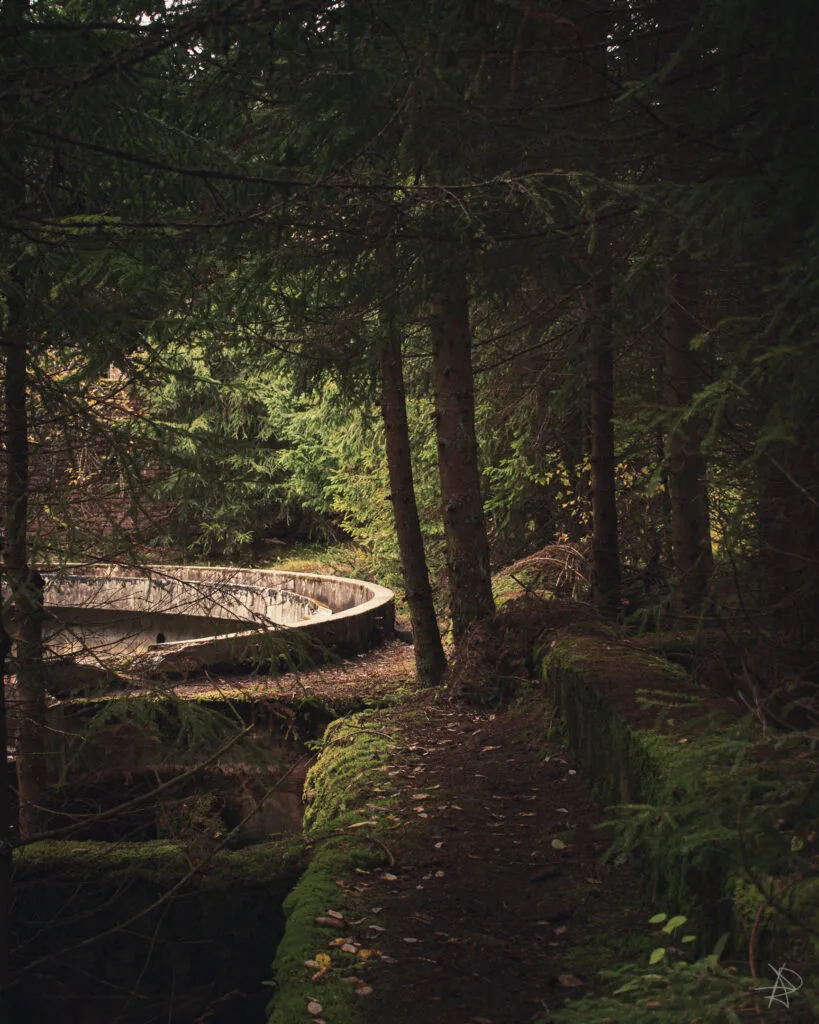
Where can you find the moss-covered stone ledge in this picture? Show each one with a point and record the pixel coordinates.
(126, 930)
(701, 810)
(320, 962)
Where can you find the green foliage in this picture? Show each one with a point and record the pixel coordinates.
(169, 729)
(667, 989)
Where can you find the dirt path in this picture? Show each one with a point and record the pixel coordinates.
(497, 907)
(375, 674)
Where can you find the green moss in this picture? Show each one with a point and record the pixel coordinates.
(338, 787)
(163, 863)
(315, 894)
(342, 779)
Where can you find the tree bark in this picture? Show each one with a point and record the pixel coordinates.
(25, 583)
(789, 542)
(605, 546)
(430, 660)
(467, 545)
(690, 522)
(5, 826)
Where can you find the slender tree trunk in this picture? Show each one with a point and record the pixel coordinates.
(5, 828)
(25, 583)
(688, 493)
(430, 661)
(789, 541)
(594, 75)
(467, 546)
(605, 547)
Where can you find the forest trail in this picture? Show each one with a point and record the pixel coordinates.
(498, 907)
(373, 675)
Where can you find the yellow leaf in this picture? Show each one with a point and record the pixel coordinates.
(323, 960)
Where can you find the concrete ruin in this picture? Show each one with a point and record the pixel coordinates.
(167, 618)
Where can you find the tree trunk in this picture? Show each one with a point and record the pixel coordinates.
(430, 661)
(5, 826)
(690, 524)
(789, 542)
(25, 584)
(467, 546)
(605, 548)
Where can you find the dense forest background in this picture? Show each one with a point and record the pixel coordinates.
(458, 282)
(499, 296)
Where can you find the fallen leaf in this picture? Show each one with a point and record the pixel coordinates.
(329, 922)
(561, 930)
(485, 749)
(314, 1008)
(376, 928)
(572, 771)
(323, 960)
(365, 954)
(526, 814)
(420, 796)
(335, 914)
(348, 947)
(390, 877)
(361, 824)
(569, 981)
(558, 844)
(438, 845)
(439, 874)
(456, 807)
(364, 990)
(311, 963)
(561, 810)
(412, 940)
(352, 980)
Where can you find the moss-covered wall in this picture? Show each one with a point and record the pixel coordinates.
(105, 932)
(697, 794)
(337, 789)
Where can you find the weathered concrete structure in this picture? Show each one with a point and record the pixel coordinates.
(180, 618)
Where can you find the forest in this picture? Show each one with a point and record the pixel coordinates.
(508, 306)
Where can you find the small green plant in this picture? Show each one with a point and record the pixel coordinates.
(667, 989)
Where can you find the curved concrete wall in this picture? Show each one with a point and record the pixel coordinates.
(315, 611)
(172, 595)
